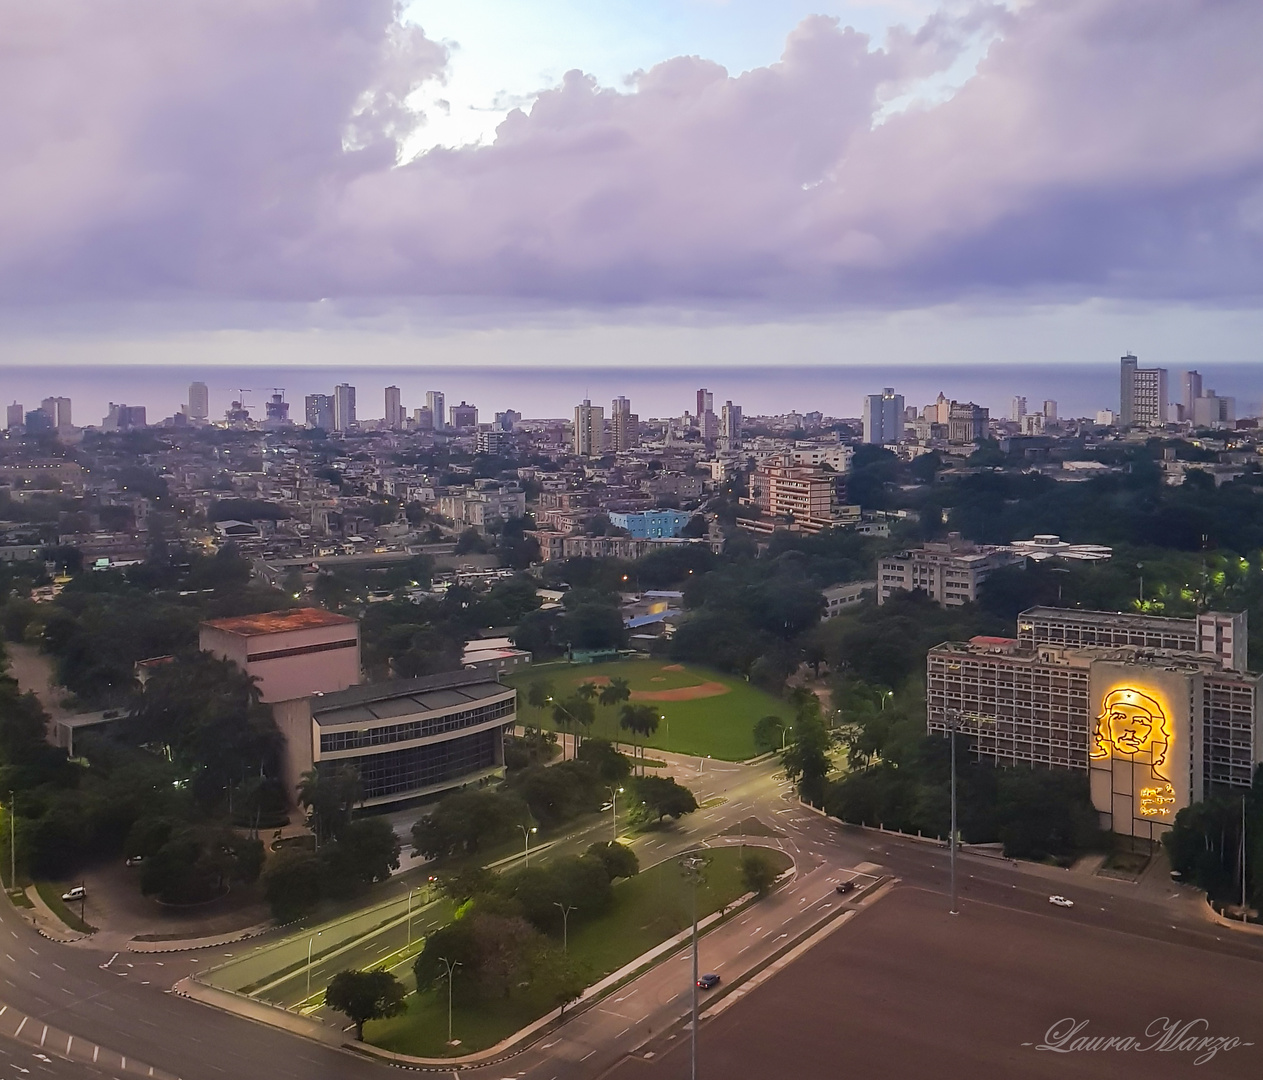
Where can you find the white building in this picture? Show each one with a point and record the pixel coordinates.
(589, 430)
(437, 404)
(950, 573)
(394, 410)
(1142, 394)
(837, 598)
(344, 407)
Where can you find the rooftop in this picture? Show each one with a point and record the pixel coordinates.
(279, 622)
(404, 697)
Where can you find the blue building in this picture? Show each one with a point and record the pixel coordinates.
(651, 524)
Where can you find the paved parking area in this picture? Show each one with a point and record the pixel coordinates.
(906, 990)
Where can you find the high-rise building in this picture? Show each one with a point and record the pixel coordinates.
(1142, 394)
(589, 430)
(276, 410)
(437, 404)
(883, 417)
(1050, 409)
(319, 411)
(707, 422)
(423, 419)
(730, 426)
(1155, 712)
(508, 420)
(123, 417)
(492, 441)
(1190, 391)
(1212, 411)
(38, 422)
(624, 425)
(344, 407)
(800, 492)
(394, 411)
(199, 403)
(464, 417)
(1017, 410)
(967, 422)
(58, 410)
(15, 416)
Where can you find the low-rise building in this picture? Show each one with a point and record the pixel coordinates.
(837, 598)
(651, 524)
(950, 573)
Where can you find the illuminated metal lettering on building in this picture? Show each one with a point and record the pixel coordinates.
(1157, 801)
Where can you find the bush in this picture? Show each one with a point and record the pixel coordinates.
(292, 883)
(618, 859)
(757, 872)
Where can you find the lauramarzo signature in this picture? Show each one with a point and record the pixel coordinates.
(1163, 1035)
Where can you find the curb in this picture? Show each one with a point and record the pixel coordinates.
(1231, 924)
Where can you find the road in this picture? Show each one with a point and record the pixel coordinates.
(122, 1005)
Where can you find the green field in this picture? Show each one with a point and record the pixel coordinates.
(648, 909)
(720, 726)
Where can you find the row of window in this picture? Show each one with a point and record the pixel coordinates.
(414, 768)
(415, 729)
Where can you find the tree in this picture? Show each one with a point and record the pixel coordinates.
(757, 872)
(199, 862)
(619, 860)
(366, 850)
(464, 821)
(767, 733)
(615, 692)
(364, 996)
(610, 765)
(806, 757)
(642, 721)
(574, 712)
(539, 693)
(292, 883)
(329, 796)
(658, 797)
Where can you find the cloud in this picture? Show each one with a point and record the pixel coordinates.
(249, 152)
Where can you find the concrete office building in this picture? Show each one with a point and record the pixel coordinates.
(406, 738)
(1190, 391)
(344, 407)
(395, 412)
(291, 653)
(15, 416)
(950, 572)
(624, 425)
(57, 409)
(423, 419)
(798, 492)
(318, 411)
(967, 422)
(1154, 729)
(838, 598)
(1224, 636)
(1017, 409)
(464, 417)
(437, 404)
(730, 420)
(883, 417)
(1142, 394)
(1212, 411)
(198, 407)
(589, 430)
(651, 524)
(1050, 409)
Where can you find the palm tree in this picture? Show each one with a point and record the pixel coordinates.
(641, 721)
(615, 692)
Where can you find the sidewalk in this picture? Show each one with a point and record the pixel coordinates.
(46, 921)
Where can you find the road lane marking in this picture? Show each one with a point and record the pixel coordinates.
(21, 1026)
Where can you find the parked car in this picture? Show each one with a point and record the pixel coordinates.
(707, 981)
(1060, 901)
(135, 860)
(77, 893)
(845, 887)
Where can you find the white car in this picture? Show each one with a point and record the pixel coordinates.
(1060, 901)
(77, 893)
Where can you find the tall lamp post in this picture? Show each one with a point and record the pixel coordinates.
(526, 836)
(953, 718)
(309, 943)
(13, 842)
(410, 892)
(450, 969)
(565, 910)
(784, 732)
(694, 867)
(614, 794)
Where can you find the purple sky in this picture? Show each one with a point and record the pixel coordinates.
(188, 169)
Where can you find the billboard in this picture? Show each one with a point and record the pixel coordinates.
(1141, 745)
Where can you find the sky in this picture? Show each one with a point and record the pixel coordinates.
(630, 182)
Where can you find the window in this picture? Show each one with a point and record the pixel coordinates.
(415, 729)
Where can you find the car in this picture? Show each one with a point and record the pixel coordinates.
(77, 893)
(845, 887)
(135, 860)
(707, 981)
(1060, 901)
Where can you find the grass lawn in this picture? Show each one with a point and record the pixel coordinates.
(50, 892)
(649, 908)
(720, 724)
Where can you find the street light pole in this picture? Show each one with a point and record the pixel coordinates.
(410, 892)
(614, 808)
(450, 968)
(526, 835)
(565, 910)
(785, 731)
(693, 866)
(13, 844)
(953, 721)
(309, 943)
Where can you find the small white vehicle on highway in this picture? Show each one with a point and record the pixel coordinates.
(1060, 901)
(77, 893)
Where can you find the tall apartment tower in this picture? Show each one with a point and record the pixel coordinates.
(1190, 391)
(1142, 397)
(730, 426)
(1050, 409)
(199, 403)
(624, 425)
(1017, 410)
(57, 409)
(15, 416)
(318, 411)
(394, 411)
(343, 407)
(589, 430)
(883, 417)
(437, 404)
